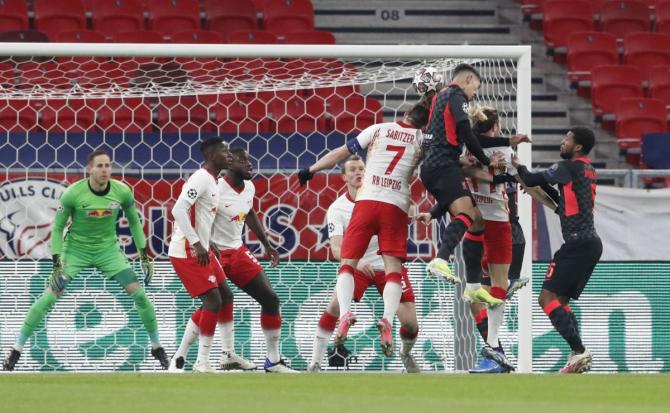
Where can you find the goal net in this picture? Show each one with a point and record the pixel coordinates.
(149, 105)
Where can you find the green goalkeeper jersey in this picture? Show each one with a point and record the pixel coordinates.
(94, 217)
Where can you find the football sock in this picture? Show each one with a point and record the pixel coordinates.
(565, 324)
(37, 311)
(226, 328)
(207, 326)
(408, 340)
(345, 288)
(190, 335)
(323, 332)
(473, 249)
(271, 325)
(482, 322)
(496, 317)
(391, 294)
(145, 309)
(453, 234)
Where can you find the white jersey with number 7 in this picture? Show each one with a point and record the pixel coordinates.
(394, 151)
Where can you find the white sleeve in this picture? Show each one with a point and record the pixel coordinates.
(363, 139)
(335, 222)
(193, 188)
(181, 217)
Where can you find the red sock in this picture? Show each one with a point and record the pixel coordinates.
(406, 334)
(483, 315)
(327, 321)
(270, 321)
(207, 322)
(499, 293)
(196, 316)
(226, 313)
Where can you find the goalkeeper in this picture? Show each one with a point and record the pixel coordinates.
(91, 241)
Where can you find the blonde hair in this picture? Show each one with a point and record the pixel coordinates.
(484, 118)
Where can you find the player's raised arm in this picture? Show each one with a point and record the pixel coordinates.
(256, 226)
(338, 155)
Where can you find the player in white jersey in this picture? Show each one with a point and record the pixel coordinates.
(235, 208)
(393, 152)
(370, 271)
(189, 252)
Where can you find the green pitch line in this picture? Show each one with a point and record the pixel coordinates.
(324, 393)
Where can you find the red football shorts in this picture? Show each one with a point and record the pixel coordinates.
(240, 265)
(385, 220)
(362, 282)
(196, 278)
(498, 242)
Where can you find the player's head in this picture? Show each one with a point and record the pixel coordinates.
(215, 151)
(99, 166)
(419, 114)
(485, 120)
(240, 164)
(353, 170)
(577, 142)
(468, 78)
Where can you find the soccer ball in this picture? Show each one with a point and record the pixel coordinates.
(428, 79)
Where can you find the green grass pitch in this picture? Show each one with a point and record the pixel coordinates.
(333, 392)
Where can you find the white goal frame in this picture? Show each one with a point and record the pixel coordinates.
(520, 54)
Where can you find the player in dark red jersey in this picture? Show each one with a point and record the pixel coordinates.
(573, 263)
(447, 131)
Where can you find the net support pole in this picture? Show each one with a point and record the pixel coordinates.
(523, 104)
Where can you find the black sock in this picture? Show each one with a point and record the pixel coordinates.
(483, 327)
(453, 234)
(566, 324)
(472, 255)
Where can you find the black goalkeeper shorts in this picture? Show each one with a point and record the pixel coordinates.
(572, 266)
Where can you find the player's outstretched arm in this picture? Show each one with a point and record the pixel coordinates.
(331, 159)
(257, 227)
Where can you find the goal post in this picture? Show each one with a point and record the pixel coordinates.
(150, 103)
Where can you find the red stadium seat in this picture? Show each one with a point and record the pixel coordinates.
(140, 36)
(635, 116)
(198, 36)
(353, 114)
(13, 15)
(7, 76)
(646, 50)
(587, 50)
(183, 114)
(562, 18)
(612, 83)
(17, 115)
(169, 17)
(225, 17)
(297, 114)
(659, 84)
(103, 75)
(663, 16)
(48, 76)
(313, 37)
(80, 36)
(73, 115)
(119, 16)
(52, 17)
(288, 16)
(621, 17)
(242, 117)
(124, 115)
(252, 37)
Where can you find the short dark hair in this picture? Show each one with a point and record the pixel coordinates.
(585, 137)
(237, 150)
(464, 67)
(95, 153)
(209, 143)
(419, 114)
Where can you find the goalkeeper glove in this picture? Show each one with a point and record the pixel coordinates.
(304, 175)
(147, 266)
(58, 280)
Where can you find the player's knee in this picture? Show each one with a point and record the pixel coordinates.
(227, 296)
(271, 303)
(212, 302)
